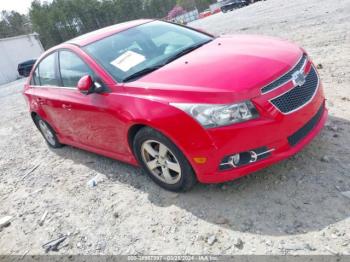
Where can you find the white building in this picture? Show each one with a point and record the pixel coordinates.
(15, 50)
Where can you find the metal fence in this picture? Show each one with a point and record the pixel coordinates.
(187, 17)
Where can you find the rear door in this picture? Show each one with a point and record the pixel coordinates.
(46, 92)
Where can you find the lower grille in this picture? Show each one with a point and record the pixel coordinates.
(307, 128)
(299, 95)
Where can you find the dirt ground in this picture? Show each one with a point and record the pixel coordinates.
(298, 206)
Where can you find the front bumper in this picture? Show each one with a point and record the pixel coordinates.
(271, 130)
(283, 151)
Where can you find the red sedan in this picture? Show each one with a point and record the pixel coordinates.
(183, 104)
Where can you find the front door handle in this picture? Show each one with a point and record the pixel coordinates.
(65, 106)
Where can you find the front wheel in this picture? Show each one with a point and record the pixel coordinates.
(165, 164)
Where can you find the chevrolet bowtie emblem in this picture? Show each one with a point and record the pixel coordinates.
(299, 78)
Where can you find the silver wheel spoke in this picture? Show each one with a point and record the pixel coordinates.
(47, 132)
(166, 174)
(162, 150)
(150, 150)
(173, 166)
(42, 126)
(162, 163)
(153, 164)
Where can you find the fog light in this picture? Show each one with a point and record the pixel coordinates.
(234, 159)
(244, 158)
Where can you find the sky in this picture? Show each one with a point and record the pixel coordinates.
(21, 6)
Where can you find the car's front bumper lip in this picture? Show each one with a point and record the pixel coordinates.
(278, 154)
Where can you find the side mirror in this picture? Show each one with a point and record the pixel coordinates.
(85, 84)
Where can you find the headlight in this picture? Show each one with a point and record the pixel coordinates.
(211, 115)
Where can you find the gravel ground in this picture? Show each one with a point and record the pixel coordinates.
(297, 206)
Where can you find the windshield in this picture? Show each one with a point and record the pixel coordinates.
(139, 50)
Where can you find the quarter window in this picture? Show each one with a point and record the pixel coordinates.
(72, 68)
(46, 69)
(35, 80)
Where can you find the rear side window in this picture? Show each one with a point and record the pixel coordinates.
(46, 70)
(35, 80)
(72, 68)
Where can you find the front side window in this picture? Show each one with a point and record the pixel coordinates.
(45, 73)
(72, 68)
(144, 48)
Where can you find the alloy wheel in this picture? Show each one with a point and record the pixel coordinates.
(161, 161)
(49, 136)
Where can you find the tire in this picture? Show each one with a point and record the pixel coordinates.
(163, 161)
(47, 132)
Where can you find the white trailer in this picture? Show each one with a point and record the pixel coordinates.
(15, 50)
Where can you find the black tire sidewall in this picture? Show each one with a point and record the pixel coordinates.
(188, 178)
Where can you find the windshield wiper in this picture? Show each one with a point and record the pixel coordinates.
(185, 51)
(150, 69)
(142, 72)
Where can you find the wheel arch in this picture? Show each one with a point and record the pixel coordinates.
(33, 115)
(132, 131)
(136, 127)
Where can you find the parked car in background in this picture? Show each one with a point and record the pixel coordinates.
(229, 5)
(183, 104)
(205, 13)
(24, 68)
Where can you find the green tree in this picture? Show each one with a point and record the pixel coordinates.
(59, 20)
(13, 23)
(158, 8)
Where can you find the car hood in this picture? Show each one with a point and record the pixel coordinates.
(237, 66)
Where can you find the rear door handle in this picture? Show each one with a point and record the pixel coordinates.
(40, 101)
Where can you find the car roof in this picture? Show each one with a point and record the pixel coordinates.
(105, 32)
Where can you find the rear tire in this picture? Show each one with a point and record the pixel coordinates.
(163, 161)
(47, 132)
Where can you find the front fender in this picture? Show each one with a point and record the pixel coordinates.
(186, 133)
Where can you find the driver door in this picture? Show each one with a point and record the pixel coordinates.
(89, 119)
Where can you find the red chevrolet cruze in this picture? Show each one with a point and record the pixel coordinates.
(183, 104)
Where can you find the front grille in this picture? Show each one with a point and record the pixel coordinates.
(286, 77)
(306, 129)
(299, 95)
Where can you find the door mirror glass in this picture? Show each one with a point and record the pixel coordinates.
(85, 84)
